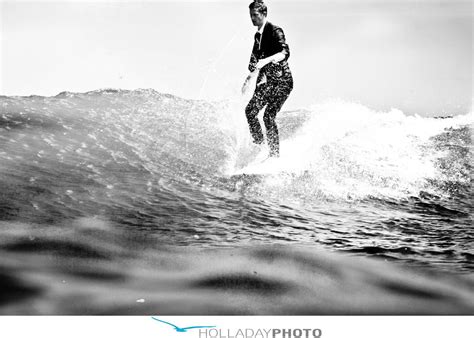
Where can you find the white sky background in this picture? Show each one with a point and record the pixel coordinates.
(407, 54)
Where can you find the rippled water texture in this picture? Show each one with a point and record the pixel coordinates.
(124, 190)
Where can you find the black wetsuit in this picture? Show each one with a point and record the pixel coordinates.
(272, 93)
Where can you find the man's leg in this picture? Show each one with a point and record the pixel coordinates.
(251, 111)
(280, 93)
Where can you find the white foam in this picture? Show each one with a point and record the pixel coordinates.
(347, 149)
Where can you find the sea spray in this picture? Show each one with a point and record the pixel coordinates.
(348, 150)
(156, 166)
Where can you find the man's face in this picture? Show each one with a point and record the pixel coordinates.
(256, 17)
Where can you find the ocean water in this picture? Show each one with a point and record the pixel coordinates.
(137, 202)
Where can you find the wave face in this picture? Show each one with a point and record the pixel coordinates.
(151, 167)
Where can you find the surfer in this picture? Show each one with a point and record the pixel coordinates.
(269, 57)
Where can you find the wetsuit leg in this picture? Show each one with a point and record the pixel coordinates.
(251, 111)
(279, 93)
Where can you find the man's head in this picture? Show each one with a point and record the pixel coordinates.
(258, 12)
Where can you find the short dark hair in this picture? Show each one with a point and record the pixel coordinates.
(259, 5)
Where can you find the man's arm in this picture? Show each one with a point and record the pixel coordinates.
(279, 36)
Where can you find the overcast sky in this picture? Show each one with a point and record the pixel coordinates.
(412, 55)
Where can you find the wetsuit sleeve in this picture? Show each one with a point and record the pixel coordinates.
(280, 39)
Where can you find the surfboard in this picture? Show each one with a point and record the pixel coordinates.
(263, 164)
